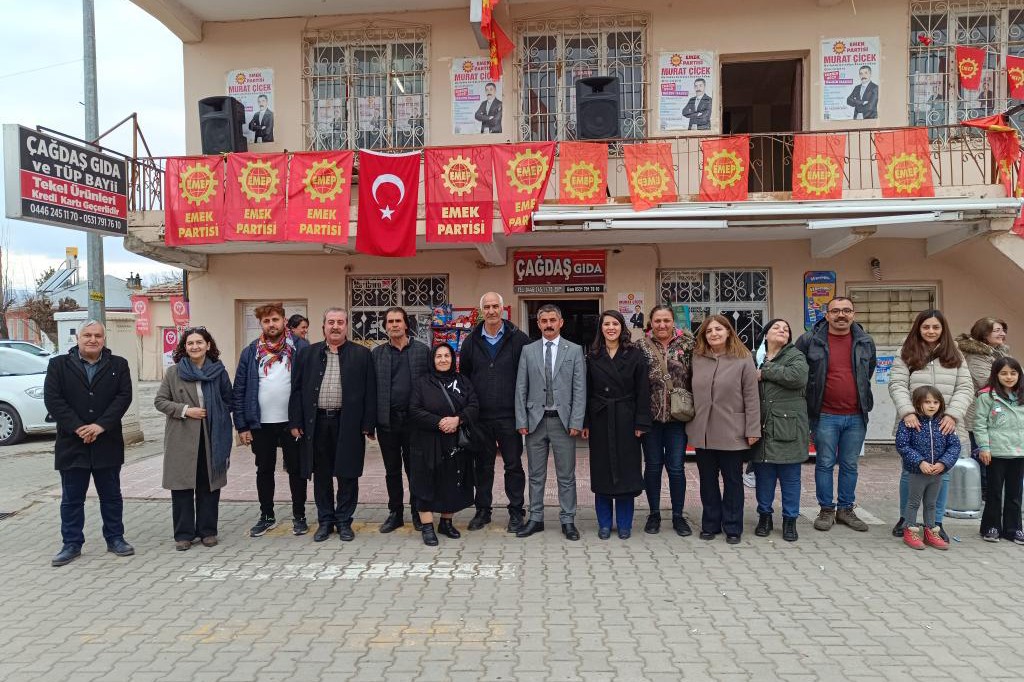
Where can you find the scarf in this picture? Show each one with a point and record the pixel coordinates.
(267, 354)
(218, 415)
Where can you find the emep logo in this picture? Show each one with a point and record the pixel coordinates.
(179, 308)
(170, 337)
(139, 306)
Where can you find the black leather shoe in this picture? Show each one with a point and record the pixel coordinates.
(416, 523)
(570, 532)
(653, 524)
(345, 532)
(66, 555)
(732, 539)
(897, 530)
(479, 520)
(764, 526)
(625, 533)
(429, 536)
(789, 533)
(119, 547)
(393, 521)
(446, 528)
(704, 535)
(604, 533)
(515, 521)
(529, 528)
(681, 527)
(323, 532)
(942, 532)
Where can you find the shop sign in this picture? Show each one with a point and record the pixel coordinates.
(559, 272)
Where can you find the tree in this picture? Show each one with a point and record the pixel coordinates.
(40, 310)
(47, 274)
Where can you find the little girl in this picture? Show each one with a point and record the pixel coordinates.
(927, 454)
(999, 431)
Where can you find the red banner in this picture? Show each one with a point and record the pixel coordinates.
(726, 168)
(969, 63)
(193, 200)
(140, 306)
(179, 311)
(818, 166)
(904, 163)
(254, 202)
(521, 173)
(1006, 153)
(652, 180)
(1015, 77)
(389, 187)
(319, 191)
(460, 195)
(582, 173)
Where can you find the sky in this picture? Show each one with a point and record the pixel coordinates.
(139, 69)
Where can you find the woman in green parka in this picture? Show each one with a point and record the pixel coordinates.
(782, 373)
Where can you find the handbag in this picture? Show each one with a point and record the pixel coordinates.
(465, 439)
(680, 401)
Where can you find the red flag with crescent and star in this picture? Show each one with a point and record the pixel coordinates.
(904, 163)
(460, 194)
(818, 166)
(521, 173)
(726, 168)
(389, 188)
(969, 63)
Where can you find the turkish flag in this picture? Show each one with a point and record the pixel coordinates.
(521, 173)
(319, 191)
(1015, 77)
(140, 306)
(193, 200)
(652, 179)
(460, 194)
(726, 168)
(254, 200)
(582, 173)
(904, 163)
(389, 189)
(179, 311)
(969, 63)
(818, 166)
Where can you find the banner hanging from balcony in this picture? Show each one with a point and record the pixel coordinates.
(818, 166)
(1005, 145)
(319, 191)
(521, 173)
(499, 43)
(389, 187)
(1015, 77)
(904, 163)
(193, 200)
(179, 311)
(460, 204)
(254, 201)
(652, 179)
(143, 320)
(969, 63)
(582, 173)
(726, 168)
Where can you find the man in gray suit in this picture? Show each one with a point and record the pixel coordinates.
(551, 395)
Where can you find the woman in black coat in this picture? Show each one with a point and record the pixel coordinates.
(441, 473)
(618, 414)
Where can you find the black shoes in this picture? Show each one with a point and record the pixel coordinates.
(299, 525)
(446, 528)
(119, 547)
(897, 530)
(515, 521)
(604, 533)
(66, 555)
(625, 533)
(570, 532)
(429, 536)
(704, 535)
(942, 533)
(681, 527)
(764, 526)
(732, 539)
(393, 521)
(323, 532)
(417, 525)
(345, 532)
(789, 533)
(262, 526)
(653, 524)
(480, 519)
(529, 528)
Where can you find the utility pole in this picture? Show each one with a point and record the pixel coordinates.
(94, 244)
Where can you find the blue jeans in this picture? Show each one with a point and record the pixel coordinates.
(838, 438)
(788, 476)
(623, 506)
(665, 446)
(74, 484)
(940, 502)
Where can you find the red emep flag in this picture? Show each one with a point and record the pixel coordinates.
(179, 311)
(521, 173)
(140, 306)
(650, 173)
(319, 192)
(254, 201)
(460, 195)
(818, 166)
(389, 188)
(726, 168)
(904, 163)
(1015, 77)
(969, 63)
(193, 200)
(582, 173)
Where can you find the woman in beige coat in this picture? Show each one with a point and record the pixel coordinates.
(196, 397)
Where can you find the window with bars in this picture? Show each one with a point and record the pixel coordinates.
(740, 295)
(369, 297)
(556, 52)
(888, 312)
(365, 88)
(936, 28)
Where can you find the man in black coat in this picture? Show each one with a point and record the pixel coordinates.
(88, 391)
(864, 96)
(490, 360)
(333, 410)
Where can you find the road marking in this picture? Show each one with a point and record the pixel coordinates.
(385, 570)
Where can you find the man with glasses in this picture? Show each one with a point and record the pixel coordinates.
(841, 356)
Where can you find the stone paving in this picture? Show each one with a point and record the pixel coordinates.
(834, 606)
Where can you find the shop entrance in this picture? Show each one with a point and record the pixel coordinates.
(580, 316)
(765, 97)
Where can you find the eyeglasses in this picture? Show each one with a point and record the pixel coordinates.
(841, 311)
(192, 330)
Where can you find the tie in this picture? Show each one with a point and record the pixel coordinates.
(549, 393)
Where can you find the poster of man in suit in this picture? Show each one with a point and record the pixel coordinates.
(850, 78)
(685, 82)
(476, 98)
(254, 88)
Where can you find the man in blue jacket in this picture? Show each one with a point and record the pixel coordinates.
(262, 388)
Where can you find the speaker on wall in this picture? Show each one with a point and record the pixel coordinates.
(598, 108)
(221, 121)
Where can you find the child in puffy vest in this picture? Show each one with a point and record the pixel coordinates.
(927, 453)
(999, 431)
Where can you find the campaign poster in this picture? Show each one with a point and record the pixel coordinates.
(409, 113)
(819, 289)
(170, 337)
(370, 113)
(928, 99)
(850, 73)
(254, 88)
(476, 97)
(685, 84)
(631, 305)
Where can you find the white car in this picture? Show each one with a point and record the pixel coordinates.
(21, 396)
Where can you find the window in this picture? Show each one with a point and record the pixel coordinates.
(740, 295)
(369, 297)
(554, 53)
(365, 88)
(251, 328)
(888, 312)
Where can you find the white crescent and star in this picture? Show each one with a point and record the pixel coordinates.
(388, 179)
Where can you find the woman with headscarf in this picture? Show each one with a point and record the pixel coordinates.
(196, 397)
(441, 470)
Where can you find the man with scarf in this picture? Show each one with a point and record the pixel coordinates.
(260, 410)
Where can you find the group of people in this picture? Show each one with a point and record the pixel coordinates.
(637, 403)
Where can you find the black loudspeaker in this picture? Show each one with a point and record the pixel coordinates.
(221, 121)
(598, 108)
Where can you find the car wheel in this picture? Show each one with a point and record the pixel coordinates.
(10, 426)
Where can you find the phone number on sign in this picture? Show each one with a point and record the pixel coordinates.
(67, 214)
